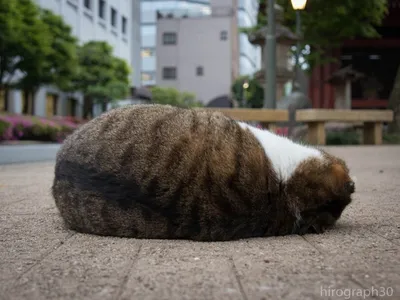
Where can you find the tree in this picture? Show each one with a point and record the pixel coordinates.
(172, 96)
(326, 24)
(56, 66)
(10, 24)
(108, 93)
(63, 57)
(121, 70)
(24, 39)
(101, 77)
(250, 97)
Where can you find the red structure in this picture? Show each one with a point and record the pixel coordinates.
(378, 59)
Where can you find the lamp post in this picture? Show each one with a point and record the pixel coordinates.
(270, 61)
(298, 5)
(245, 86)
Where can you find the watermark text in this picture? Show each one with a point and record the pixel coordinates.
(348, 293)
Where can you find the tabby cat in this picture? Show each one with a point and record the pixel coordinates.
(157, 171)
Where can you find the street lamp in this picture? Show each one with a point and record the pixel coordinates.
(298, 5)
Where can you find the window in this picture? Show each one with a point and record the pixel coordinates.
(124, 25)
(147, 76)
(169, 38)
(113, 17)
(199, 71)
(169, 73)
(102, 9)
(87, 3)
(223, 35)
(147, 52)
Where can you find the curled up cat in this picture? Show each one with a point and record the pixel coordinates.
(163, 172)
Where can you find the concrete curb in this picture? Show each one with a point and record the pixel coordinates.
(10, 154)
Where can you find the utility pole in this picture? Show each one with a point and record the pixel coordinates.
(270, 61)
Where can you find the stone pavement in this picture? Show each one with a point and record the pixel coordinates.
(39, 259)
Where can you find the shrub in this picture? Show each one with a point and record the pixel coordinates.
(5, 130)
(391, 138)
(20, 127)
(343, 138)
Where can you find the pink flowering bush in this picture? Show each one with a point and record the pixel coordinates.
(21, 127)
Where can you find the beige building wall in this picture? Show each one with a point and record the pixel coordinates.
(200, 43)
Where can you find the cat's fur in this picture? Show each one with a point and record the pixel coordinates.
(156, 171)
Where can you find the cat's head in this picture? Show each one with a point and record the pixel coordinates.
(318, 192)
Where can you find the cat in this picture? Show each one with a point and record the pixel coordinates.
(163, 172)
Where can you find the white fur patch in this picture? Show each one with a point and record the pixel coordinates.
(284, 154)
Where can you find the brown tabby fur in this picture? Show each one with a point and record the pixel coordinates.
(153, 171)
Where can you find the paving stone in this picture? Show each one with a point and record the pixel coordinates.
(40, 259)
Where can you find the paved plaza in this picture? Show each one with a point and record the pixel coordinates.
(359, 259)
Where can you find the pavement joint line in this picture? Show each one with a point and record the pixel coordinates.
(9, 203)
(43, 257)
(382, 236)
(320, 251)
(27, 214)
(357, 282)
(128, 273)
(237, 277)
(379, 234)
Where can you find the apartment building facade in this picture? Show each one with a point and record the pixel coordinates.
(246, 16)
(114, 21)
(198, 54)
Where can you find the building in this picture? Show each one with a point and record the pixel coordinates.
(377, 59)
(250, 55)
(114, 21)
(246, 13)
(198, 53)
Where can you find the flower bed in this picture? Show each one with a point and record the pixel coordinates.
(34, 128)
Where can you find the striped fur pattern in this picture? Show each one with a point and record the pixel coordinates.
(157, 171)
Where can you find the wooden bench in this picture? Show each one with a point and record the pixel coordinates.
(372, 122)
(267, 117)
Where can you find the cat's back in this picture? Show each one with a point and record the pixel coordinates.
(139, 132)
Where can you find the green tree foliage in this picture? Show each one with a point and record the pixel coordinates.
(250, 97)
(326, 24)
(37, 44)
(101, 77)
(121, 70)
(58, 65)
(171, 96)
(63, 58)
(10, 32)
(24, 39)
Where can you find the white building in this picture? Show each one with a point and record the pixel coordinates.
(198, 54)
(114, 21)
(246, 12)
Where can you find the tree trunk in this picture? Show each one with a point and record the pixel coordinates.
(104, 106)
(31, 96)
(87, 107)
(394, 104)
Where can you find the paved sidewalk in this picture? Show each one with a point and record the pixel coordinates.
(41, 260)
